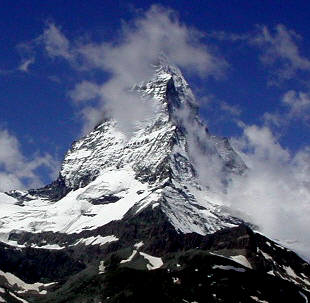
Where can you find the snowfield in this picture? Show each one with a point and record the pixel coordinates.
(108, 173)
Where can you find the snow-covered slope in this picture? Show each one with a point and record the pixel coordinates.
(108, 172)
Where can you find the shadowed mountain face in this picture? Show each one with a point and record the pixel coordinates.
(133, 217)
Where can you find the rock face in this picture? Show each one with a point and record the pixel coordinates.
(132, 218)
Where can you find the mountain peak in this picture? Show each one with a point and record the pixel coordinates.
(169, 87)
(145, 202)
(165, 65)
(165, 158)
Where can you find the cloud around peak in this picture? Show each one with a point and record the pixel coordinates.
(128, 59)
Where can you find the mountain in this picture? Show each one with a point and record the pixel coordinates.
(133, 217)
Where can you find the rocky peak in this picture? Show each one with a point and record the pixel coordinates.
(160, 165)
(158, 146)
(162, 154)
(170, 88)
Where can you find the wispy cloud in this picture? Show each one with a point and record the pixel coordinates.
(233, 110)
(129, 59)
(226, 36)
(18, 171)
(295, 106)
(298, 104)
(85, 91)
(279, 48)
(55, 43)
(275, 119)
(24, 66)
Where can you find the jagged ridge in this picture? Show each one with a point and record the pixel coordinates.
(156, 159)
(123, 205)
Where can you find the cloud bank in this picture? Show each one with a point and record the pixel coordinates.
(274, 193)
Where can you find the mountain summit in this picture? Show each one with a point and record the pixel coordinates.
(133, 213)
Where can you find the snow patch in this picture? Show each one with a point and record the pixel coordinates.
(266, 256)
(101, 267)
(49, 246)
(258, 300)
(138, 245)
(134, 252)
(154, 262)
(241, 260)
(279, 246)
(155, 205)
(13, 280)
(98, 240)
(295, 278)
(18, 298)
(46, 246)
(290, 272)
(74, 212)
(229, 267)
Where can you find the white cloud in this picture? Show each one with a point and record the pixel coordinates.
(91, 116)
(9, 181)
(157, 31)
(234, 110)
(274, 119)
(17, 171)
(274, 193)
(85, 91)
(24, 66)
(203, 156)
(56, 44)
(295, 106)
(129, 59)
(298, 104)
(280, 50)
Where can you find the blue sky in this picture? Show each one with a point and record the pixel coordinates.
(63, 63)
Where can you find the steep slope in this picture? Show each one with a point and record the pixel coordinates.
(107, 173)
(142, 205)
